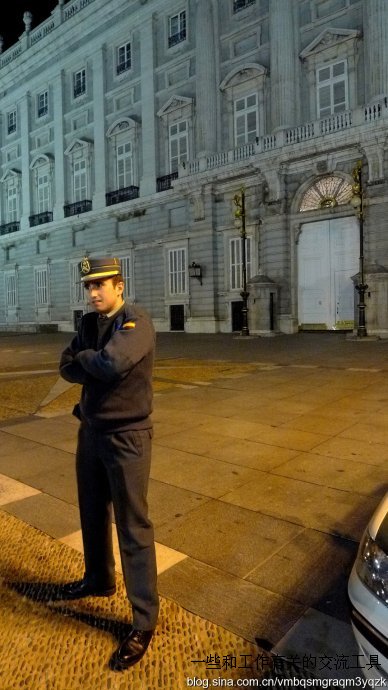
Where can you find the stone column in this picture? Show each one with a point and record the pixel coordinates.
(284, 64)
(60, 177)
(206, 83)
(148, 123)
(375, 16)
(99, 129)
(25, 159)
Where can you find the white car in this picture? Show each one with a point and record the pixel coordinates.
(368, 593)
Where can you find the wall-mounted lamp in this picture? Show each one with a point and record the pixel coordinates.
(195, 271)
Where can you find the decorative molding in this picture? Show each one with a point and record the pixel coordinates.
(77, 145)
(174, 103)
(247, 71)
(328, 38)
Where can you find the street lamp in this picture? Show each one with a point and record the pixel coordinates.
(239, 202)
(357, 203)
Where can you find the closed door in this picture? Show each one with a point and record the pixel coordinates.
(328, 255)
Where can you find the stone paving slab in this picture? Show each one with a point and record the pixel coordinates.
(48, 645)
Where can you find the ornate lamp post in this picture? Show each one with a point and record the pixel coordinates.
(357, 203)
(239, 202)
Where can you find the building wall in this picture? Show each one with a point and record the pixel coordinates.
(191, 64)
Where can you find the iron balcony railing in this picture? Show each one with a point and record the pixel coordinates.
(40, 218)
(123, 66)
(241, 4)
(9, 227)
(78, 207)
(174, 39)
(164, 183)
(119, 195)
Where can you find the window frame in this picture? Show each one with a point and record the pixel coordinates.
(41, 287)
(245, 113)
(79, 83)
(126, 64)
(12, 122)
(42, 110)
(174, 38)
(11, 277)
(331, 82)
(236, 267)
(177, 266)
(80, 175)
(180, 157)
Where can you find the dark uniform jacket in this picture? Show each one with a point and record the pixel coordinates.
(113, 361)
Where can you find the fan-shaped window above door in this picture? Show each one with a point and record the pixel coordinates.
(326, 192)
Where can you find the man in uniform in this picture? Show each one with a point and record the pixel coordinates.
(112, 357)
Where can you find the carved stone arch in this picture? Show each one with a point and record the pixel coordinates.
(123, 124)
(41, 159)
(243, 73)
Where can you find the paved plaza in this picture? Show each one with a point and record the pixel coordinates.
(269, 458)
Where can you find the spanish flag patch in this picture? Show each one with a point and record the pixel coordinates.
(129, 324)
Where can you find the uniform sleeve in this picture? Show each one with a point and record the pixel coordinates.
(69, 368)
(123, 351)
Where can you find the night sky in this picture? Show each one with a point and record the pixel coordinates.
(12, 25)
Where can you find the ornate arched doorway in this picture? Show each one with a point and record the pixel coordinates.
(328, 255)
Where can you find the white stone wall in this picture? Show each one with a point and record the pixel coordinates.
(163, 86)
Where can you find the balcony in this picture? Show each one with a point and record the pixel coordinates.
(9, 227)
(174, 39)
(124, 194)
(40, 218)
(164, 183)
(77, 208)
(123, 66)
(239, 5)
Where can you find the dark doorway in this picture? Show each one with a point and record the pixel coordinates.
(77, 316)
(237, 322)
(177, 317)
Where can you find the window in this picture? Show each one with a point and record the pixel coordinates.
(42, 104)
(79, 83)
(43, 192)
(41, 286)
(126, 272)
(242, 4)
(124, 165)
(11, 293)
(177, 29)
(12, 204)
(80, 187)
(11, 122)
(177, 271)
(77, 292)
(245, 120)
(123, 62)
(178, 144)
(332, 89)
(236, 267)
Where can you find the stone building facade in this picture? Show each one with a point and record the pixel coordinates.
(129, 127)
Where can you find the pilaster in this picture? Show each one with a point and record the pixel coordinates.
(99, 129)
(25, 159)
(148, 180)
(376, 48)
(284, 66)
(205, 59)
(60, 179)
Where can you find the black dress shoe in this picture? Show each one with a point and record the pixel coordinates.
(131, 650)
(82, 588)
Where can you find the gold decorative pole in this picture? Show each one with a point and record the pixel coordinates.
(357, 203)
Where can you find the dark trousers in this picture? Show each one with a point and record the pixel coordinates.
(113, 469)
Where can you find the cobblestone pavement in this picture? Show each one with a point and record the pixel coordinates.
(269, 457)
